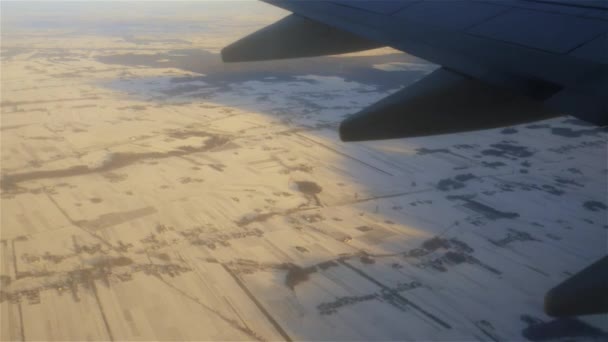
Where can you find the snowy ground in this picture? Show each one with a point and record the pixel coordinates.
(150, 192)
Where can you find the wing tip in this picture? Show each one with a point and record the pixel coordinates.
(227, 55)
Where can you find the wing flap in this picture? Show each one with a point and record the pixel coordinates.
(378, 6)
(293, 37)
(454, 15)
(551, 32)
(443, 102)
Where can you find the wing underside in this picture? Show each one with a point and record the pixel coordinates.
(533, 53)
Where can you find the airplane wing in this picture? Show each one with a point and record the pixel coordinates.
(502, 62)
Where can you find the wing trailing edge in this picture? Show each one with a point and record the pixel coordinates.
(443, 102)
(293, 37)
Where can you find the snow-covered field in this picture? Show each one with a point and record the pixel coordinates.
(150, 192)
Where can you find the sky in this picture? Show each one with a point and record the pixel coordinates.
(52, 14)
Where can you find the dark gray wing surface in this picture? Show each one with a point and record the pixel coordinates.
(551, 51)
